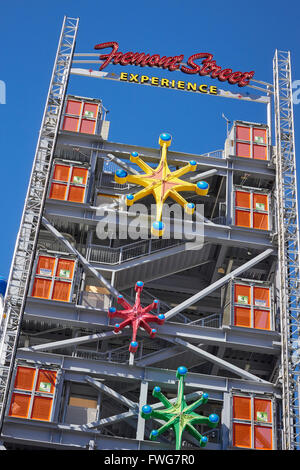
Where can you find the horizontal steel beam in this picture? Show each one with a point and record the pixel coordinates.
(76, 369)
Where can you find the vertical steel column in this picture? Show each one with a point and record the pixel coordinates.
(21, 268)
(288, 245)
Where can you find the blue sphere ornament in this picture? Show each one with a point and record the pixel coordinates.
(134, 154)
(147, 409)
(140, 283)
(157, 389)
(193, 162)
(153, 330)
(202, 185)
(213, 418)
(191, 205)
(204, 440)
(130, 197)
(158, 228)
(134, 344)
(120, 296)
(165, 136)
(161, 316)
(112, 309)
(117, 325)
(205, 395)
(154, 433)
(182, 370)
(121, 173)
(155, 301)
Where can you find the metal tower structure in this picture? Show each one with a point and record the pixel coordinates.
(228, 312)
(33, 208)
(288, 245)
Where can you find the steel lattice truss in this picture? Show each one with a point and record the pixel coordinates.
(288, 244)
(25, 247)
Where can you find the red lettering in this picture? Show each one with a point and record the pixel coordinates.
(140, 58)
(235, 77)
(175, 62)
(110, 56)
(224, 75)
(209, 66)
(125, 60)
(245, 79)
(154, 59)
(195, 68)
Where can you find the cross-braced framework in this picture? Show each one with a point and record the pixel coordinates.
(288, 246)
(25, 247)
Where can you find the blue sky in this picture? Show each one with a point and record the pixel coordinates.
(242, 38)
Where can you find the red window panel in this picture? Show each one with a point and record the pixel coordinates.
(24, 378)
(61, 291)
(41, 408)
(242, 407)
(243, 218)
(241, 435)
(46, 381)
(58, 191)
(87, 126)
(242, 317)
(242, 294)
(19, 406)
(260, 221)
(41, 288)
(65, 268)
(263, 438)
(61, 172)
(243, 133)
(261, 296)
(90, 110)
(259, 152)
(262, 319)
(70, 124)
(243, 199)
(79, 175)
(243, 150)
(45, 266)
(259, 135)
(262, 410)
(260, 202)
(73, 107)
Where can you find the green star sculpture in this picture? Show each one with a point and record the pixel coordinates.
(179, 416)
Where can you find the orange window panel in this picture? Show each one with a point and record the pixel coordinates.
(90, 110)
(259, 136)
(260, 202)
(61, 291)
(259, 152)
(263, 438)
(243, 150)
(70, 124)
(45, 266)
(41, 408)
(41, 288)
(73, 107)
(76, 193)
(242, 294)
(61, 173)
(242, 316)
(46, 381)
(260, 221)
(87, 126)
(262, 319)
(19, 406)
(241, 435)
(243, 133)
(79, 175)
(58, 191)
(24, 378)
(242, 199)
(65, 268)
(262, 410)
(242, 218)
(261, 296)
(242, 407)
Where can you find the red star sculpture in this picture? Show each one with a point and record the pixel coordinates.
(136, 316)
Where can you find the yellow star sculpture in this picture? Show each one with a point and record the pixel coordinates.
(162, 183)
